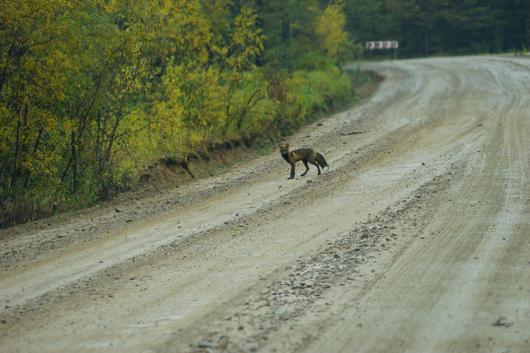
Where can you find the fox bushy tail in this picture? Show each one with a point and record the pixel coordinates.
(321, 161)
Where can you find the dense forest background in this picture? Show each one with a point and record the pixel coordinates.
(432, 27)
(92, 91)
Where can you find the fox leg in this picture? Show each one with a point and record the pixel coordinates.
(306, 168)
(292, 171)
(316, 165)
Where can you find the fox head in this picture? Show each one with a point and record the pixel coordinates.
(284, 147)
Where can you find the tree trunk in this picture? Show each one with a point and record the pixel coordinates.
(14, 170)
(35, 149)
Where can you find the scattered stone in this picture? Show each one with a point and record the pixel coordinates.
(352, 133)
(502, 322)
(223, 342)
(296, 285)
(205, 344)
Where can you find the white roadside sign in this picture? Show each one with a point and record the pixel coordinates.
(382, 44)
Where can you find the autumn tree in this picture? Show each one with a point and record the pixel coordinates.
(93, 91)
(329, 28)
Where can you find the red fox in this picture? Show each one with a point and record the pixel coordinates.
(306, 155)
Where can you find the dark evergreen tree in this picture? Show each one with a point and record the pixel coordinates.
(426, 27)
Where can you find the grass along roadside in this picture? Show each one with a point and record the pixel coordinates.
(297, 100)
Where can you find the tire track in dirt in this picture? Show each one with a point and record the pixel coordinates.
(248, 246)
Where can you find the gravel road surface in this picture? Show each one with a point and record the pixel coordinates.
(416, 240)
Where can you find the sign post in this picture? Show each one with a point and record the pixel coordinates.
(383, 45)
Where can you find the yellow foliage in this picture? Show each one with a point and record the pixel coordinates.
(91, 90)
(329, 28)
(246, 42)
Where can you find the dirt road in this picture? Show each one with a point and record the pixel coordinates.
(416, 240)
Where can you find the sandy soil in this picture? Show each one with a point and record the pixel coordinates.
(416, 240)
